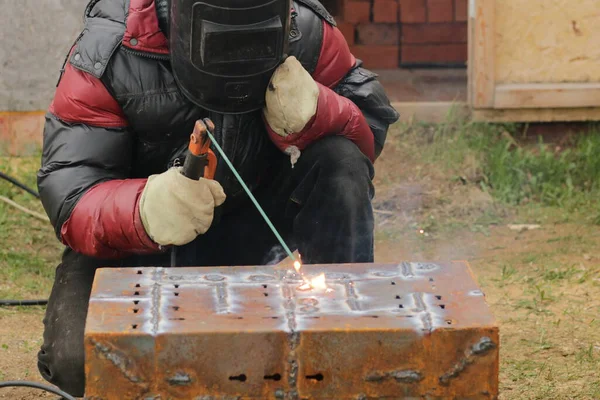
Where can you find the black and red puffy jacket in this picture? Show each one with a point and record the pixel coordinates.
(118, 117)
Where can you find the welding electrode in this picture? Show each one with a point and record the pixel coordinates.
(202, 155)
(201, 162)
(251, 196)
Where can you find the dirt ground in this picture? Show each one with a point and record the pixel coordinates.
(20, 338)
(542, 284)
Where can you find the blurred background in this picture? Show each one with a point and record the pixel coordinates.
(496, 160)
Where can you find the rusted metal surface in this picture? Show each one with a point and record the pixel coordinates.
(401, 331)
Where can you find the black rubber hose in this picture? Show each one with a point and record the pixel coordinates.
(19, 184)
(16, 303)
(36, 385)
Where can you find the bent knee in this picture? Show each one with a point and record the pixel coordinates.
(345, 173)
(341, 156)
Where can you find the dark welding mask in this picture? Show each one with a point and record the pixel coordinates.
(224, 52)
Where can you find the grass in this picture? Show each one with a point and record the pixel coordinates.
(29, 250)
(568, 177)
(443, 192)
(513, 167)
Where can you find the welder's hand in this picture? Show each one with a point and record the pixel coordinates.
(291, 98)
(175, 209)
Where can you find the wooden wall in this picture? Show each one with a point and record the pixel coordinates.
(547, 41)
(534, 60)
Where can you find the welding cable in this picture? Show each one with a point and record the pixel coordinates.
(19, 184)
(17, 303)
(35, 385)
(18, 206)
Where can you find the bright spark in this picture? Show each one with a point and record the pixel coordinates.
(319, 282)
(297, 266)
(421, 231)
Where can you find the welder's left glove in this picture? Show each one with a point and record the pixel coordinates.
(291, 99)
(300, 111)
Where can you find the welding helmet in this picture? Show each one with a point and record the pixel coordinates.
(224, 52)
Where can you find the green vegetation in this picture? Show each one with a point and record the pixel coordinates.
(511, 165)
(29, 251)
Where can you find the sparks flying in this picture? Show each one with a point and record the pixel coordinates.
(317, 283)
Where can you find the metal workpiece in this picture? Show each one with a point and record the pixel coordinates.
(393, 331)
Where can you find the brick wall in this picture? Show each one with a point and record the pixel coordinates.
(389, 34)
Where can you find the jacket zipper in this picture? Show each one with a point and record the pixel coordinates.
(152, 56)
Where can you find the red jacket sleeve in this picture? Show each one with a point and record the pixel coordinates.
(105, 220)
(336, 115)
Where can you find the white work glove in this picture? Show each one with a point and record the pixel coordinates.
(175, 209)
(291, 98)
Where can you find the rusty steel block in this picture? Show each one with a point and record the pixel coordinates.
(401, 331)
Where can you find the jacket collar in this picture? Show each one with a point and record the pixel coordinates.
(142, 30)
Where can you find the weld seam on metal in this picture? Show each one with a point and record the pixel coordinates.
(290, 306)
(288, 294)
(480, 348)
(156, 299)
(407, 270)
(403, 376)
(180, 379)
(351, 296)
(427, 321)
(420, 305)
(222, 303)
(118, 360)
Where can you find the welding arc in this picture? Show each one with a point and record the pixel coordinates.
(36, 385)
(249, 193)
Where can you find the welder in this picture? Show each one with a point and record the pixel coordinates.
(272, 75)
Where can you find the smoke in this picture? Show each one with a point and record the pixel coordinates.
(420, 220)
(275, 255)
(417, 221)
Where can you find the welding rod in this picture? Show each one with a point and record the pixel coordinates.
(258, 207)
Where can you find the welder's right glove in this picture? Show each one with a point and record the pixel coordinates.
(175, 209)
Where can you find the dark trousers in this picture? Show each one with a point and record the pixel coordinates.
(322, 207)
